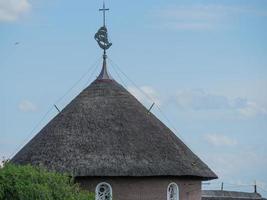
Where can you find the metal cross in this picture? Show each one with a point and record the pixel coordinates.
(104, 9)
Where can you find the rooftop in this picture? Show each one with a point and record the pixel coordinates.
(105, 131)
(231, 195)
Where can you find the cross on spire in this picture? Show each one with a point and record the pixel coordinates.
(104, 9)
(102, 34)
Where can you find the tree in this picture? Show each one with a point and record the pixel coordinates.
(32, 183)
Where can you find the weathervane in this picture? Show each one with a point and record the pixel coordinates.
(102, 34)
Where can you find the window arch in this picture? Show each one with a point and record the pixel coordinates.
(103, 191)
(173, 192)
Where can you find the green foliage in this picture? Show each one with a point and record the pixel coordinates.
(31, 183)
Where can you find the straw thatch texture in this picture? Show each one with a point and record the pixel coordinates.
(105, 131)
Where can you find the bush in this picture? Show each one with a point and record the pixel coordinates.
(32, 183)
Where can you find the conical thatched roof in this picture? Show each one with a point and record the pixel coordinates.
(105, 131)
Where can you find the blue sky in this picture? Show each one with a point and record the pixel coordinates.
(203, 62)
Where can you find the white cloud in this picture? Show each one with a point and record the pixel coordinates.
(237, 167)
(147, 95)
(201, 17)
(231, 165)
(27, 106)
(219, 140)
(11, 10)
(262, 184)
(199, 100)
(251, 109)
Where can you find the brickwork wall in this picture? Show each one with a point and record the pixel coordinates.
(145, 188)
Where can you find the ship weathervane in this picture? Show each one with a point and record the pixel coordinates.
(102, 34)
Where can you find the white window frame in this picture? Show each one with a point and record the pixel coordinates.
(97, 188)
(177, 191)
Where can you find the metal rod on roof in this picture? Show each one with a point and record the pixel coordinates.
(150, 108)
(255, 187)
(222, 186)
(57, 108)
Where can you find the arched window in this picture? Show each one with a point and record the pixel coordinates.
(173, 192)
(103, 191)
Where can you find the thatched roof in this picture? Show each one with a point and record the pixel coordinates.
(105, 131)
(229, 195)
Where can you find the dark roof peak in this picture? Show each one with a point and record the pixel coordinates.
(104, 74)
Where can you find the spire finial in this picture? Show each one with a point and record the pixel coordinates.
(102, 39)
